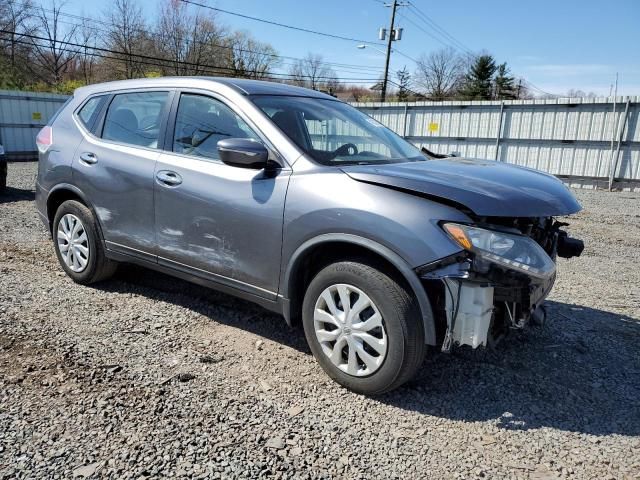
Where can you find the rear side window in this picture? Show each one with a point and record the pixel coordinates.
(134, 118)
(90, 110)
(201, 122)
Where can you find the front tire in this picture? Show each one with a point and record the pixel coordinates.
(78, 246)
(363, 327)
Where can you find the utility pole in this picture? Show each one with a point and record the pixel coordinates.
(383, 95)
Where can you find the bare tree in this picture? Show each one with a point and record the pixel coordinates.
(249, 57)
(192, 44)
(576, 93)
(355, 93)
(127, 36)
(16, 25)
(54, 53)
(312, 72)
(87, 58)
(440, 73)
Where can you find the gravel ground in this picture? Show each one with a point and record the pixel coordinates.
(146, 375)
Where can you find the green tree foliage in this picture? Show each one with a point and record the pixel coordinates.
(404, 81)
(479, 79)
(505, 88)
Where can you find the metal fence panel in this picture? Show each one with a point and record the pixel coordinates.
(22, 115)
(566, 137)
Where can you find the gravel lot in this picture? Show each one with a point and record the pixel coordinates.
(146, 375)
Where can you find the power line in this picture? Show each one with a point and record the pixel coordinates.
(98, 55)
(395, 50)
(538, 89)
(444, 41)
(278, 24)
(457, 44)
(168, 62)
(336, 65)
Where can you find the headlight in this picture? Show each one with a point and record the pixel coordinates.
(512, 251)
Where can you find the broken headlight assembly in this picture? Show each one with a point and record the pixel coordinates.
(516, 252)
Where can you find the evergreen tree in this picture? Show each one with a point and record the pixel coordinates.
(479, 79)
(404, 79)
(505, 88)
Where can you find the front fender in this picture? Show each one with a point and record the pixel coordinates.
(398, 262)
(331, 202)
(326, 205)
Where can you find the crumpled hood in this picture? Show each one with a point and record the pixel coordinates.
(485, 187)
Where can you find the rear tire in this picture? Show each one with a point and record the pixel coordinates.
(78, 245)
(387, 336)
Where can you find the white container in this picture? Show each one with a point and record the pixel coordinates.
(472, 314)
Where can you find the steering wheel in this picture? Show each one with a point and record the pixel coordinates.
(346, 149)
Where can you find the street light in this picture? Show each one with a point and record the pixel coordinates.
(384, 83)
(363, 46)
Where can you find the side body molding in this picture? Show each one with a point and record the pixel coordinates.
(396, 260)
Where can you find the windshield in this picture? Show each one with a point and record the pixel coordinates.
(334, 133)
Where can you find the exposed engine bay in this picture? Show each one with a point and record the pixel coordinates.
(499, 281)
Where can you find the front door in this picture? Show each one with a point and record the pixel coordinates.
(214, 220)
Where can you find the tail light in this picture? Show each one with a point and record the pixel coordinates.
(44, 139)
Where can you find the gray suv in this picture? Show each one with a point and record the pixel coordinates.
(296, 201)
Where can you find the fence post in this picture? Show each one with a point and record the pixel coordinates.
(404, 125)
(614, 159)
(499, 132)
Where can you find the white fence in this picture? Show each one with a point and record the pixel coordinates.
(577, 138)
(590, 140)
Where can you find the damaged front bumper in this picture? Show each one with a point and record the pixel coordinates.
(477, 300)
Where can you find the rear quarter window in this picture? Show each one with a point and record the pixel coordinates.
(89, 112)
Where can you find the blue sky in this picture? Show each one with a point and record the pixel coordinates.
(557, 45)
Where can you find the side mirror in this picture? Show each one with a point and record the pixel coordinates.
(243, 153)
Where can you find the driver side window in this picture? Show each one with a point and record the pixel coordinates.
(327, 135)
(201, 122)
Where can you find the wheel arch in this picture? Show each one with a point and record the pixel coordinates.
(63, 192)
(327, 248)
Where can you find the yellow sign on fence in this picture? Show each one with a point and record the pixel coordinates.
(36, 116)
(433, 127)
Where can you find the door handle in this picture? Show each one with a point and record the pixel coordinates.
(168, 178)
(88, 158)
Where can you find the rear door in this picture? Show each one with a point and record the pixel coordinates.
(114, 166)
(213, 220)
